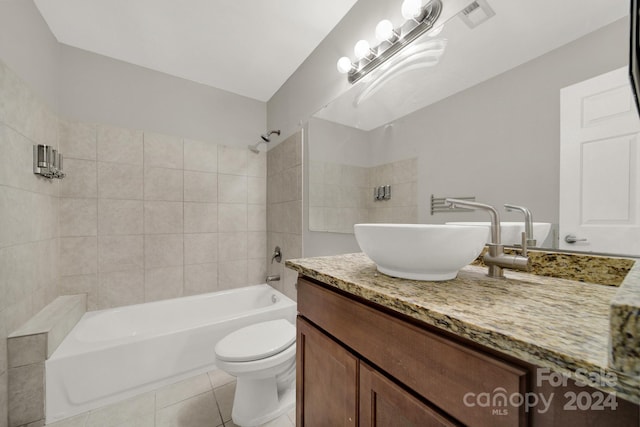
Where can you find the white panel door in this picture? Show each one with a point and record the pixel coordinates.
(599, 165)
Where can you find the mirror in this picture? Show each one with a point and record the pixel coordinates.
(483, 122)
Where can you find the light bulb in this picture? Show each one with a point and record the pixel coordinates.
(362, 49)
(435, 31)
(384, 30)
(344, 65)
(411, 8)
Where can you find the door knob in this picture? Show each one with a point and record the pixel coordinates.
(570, 238)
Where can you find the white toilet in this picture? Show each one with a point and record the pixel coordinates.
(263, 358)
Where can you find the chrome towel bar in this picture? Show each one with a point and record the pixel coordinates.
(438, 204)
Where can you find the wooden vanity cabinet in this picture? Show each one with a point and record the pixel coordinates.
(384, 403)
(360, 364)
(335, 388)
(327, 380)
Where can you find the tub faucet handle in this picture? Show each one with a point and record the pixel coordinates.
(277, 255)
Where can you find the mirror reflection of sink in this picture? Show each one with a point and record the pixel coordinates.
(421, 251)
(511, 232)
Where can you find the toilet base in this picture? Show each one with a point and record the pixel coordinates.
(258, 401)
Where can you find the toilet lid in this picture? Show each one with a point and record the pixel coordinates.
(257, 341)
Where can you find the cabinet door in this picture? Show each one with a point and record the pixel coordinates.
(436, 368)
(326, 382)
(383, 403)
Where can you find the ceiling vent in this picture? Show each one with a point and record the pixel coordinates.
(476, 13)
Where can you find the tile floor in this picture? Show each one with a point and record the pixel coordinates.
(202, 401)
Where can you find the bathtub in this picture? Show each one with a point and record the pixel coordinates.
(114, 354)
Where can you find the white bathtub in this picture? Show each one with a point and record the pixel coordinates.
(114, 354)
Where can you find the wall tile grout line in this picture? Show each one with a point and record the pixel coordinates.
(30, 191)
(144, 225)
(30, 242)
(97, 301)
(184, 263)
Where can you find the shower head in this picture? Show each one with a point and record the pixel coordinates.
(267, 136)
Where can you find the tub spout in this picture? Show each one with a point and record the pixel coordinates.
(273, 278)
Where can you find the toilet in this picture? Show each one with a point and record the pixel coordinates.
(263, 359)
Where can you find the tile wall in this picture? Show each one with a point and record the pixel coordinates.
(28, 216)
(145, 217)
(402, 175)
(284, 209)
(338, 196)
(342, 195)
(27, 350)
(139, 217)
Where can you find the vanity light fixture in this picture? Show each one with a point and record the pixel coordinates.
(411, 9)
(386, 32)
(362, 50)
(420, 19)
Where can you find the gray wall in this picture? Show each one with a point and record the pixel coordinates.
(94, 88)
(28, 47)
(498, 141)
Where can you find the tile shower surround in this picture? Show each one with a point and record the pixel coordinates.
(140, 216)
(284, 209)
(28, 217)
(338, 196)
(342, 195)
(145, 217)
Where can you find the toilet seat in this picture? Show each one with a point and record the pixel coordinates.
(257, 341)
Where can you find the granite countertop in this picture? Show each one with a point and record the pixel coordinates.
(555, 323)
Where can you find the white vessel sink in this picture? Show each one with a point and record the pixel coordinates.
(511, 232)
(421, 251)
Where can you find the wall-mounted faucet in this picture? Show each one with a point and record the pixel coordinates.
(496, 259)
(528, 222)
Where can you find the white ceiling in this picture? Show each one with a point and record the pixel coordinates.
(520, 31)
(248, 47)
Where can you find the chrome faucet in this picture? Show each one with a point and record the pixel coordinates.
(496, 259)
(277, 255)
(528, 222)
